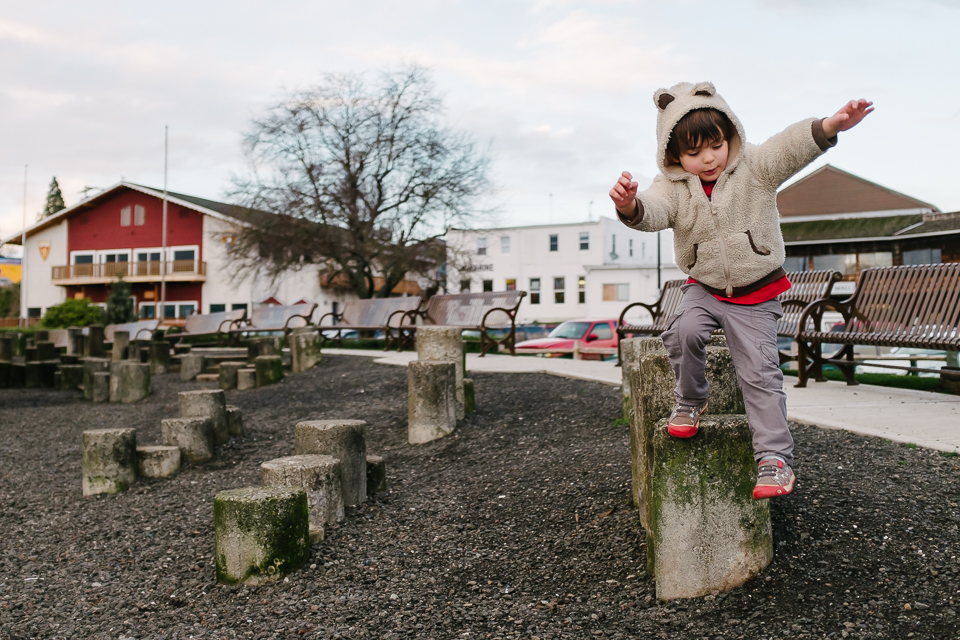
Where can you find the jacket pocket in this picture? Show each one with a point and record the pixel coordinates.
(753, 245)
(695, 247)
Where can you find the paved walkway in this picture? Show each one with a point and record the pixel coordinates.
(927, 419)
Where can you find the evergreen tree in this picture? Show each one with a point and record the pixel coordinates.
(120, 303)
(54, 200)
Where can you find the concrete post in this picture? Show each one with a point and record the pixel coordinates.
(304, 349)
(75, 346)
(159, 357)
(469, 396)
(71, 376)
(101, 386)
(158, 461)
(121, 343)
(191, 365)
(109, 460)
(235, 421)
(269, 370)
(444, 344)
(129, 381)
(90, 367)
(93, 343)
(246, 379)
(6, 347)
(207, 403)
(193, 436)
(318, 475)
(227, 378)
(431, 400)
(32, 378)
(341, 439)
(376, 475)
(709, 533)
(5, 374)
(46, 350)
(18, 375)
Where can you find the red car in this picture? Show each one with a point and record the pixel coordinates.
(589, 333)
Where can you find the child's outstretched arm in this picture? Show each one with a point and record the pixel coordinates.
(624, 196)
(847, 118)
(649, 210)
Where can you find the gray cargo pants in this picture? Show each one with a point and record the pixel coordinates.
(751, 332)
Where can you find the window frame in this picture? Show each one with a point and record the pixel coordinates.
(554, 242)
(584, 241)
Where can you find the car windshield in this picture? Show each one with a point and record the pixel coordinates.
(571, 330)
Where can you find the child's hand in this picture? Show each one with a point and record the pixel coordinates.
(624, 193)
(847, 118)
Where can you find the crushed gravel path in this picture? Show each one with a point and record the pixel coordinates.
(516, 526)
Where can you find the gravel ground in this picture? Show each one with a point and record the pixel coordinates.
(516, 526)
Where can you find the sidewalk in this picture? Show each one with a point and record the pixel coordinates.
(930, 420)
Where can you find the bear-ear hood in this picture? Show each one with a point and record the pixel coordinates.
(676, 102)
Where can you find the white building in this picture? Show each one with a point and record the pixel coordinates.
(589, 269)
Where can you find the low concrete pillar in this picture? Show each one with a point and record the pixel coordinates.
(6, 347)
(158, 461)
(159, 357)
(261, 534)
(227, 378)
(376, 475)
(32, 378)
(5, 374)
(341, 439)
(121, 343)
(30, 354)
(193, 436)
(140, 350)
(48, 373)
(207, 403)
(65, 359)
(262, 346)
(318, 475)
(109, 460)
(18, 375)
(469, 396)
(246, 379)
(101, 386)
(191, 365)
(71, 376)
(709, 533)
(56, 380)
(46, 350)
(93, 342)
(269, 370)
(304, 349)
(444, 344)
(75, 341)
(235, 421)
(431, 400)
(41, 335)
(129, 381)
(90, 367)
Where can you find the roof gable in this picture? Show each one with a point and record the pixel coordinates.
(831, 191)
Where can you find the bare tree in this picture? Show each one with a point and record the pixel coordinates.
(361, 179)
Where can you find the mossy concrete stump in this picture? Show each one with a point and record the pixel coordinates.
(6, 348)
(235, 421)
(5, 374)
(469, 396)
(101, 386)
(227, 376)
(121, 343)
(158, 461)
(304, 349)
(90, 367)
(444, 344)
(651, 396)
(93, 342)
(48, 373)
(261, 534)
(207, 403)
(75, 342)
(269, 370)
(193, 436)
(318, 475)
(376, 475)
(129, 381)
(344, 440)
(431, 401)
(159, 357)
(708, 533)
(246, 379)
(32, 378)
(18, 375)
(71, 376)
(191, 365)
(46, 350)
(109, 460)
(263, 346)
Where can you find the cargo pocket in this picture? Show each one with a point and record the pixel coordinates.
(770, 372)
(671, 337)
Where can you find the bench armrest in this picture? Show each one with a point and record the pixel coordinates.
(337, 317)
(651, 309)
(814, 311)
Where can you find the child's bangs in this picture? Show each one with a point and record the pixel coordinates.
(700, 128)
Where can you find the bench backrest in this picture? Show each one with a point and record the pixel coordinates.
(375, 312)
(211, 323)
(915, 303)
(276, 317)
(59, 338)
(139, 330)
(807, 287)
(468, 309)
(665, 306)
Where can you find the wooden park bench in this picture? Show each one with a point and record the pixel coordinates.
(139, 330)
(374, 314)
(276, 318)
(481, 312)
(910, 306)
(219, 325)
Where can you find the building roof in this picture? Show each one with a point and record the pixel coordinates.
(829, 191)
(870, 229)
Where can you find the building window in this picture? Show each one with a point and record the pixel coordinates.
(169, 311)
(630, 245)
(488, 285)
(184, 254)
(554, 243)
(33, 312)
(218, 308)
(534, 290)
(584, 240)
(922, 256)
(511, 284)
(147, 310)
(795, 264)
(616, 292)
(846, 264)
(464, 286)
(187, 310)
(125, 217)
(504, 244)
(481, 246)
(139, 215)
(558, 287)
(238, 306)
(880, 259)
(582, 290)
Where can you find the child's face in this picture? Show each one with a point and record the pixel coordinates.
(706, 161)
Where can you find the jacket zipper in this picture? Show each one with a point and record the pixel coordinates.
(721, 244)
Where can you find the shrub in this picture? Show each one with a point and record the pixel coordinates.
(72, 313)
(120, 304)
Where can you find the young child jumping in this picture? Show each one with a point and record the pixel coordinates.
(719, 195)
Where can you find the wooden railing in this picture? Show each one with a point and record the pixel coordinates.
(128, 270)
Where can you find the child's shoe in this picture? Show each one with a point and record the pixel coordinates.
(775, 479)
(684, 422)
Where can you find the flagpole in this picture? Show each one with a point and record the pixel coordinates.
(23, 258)
(163, 253)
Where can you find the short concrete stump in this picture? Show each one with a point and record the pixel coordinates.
(101, 386)
(235, 421)
(191, 365)
(32, 379)
(193, 436)
(708, 532)
(46, 350)
(121, 342)
(207, 403)
(269, 370)
(18, 375)
(376, 475)
(431, 401)
(261, 533)
(91, 366)
(129, 381)
(319, 476)
(93, 342)
(469, 396)
(109, 460)
(6, 347)
(341, 439)
(304, 349)
(4, 374)
(246, 379)
(444, 344)
(159, 357)
(158, 461)
(71, 376)
(227, 377)
(75, 342)
(263, 346)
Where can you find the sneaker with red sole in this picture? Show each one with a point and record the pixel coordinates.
(775, 479)
(684, 422)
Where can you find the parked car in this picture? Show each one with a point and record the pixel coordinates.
(589, 333)
(523, 332)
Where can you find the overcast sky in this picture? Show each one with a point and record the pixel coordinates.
(560, 91)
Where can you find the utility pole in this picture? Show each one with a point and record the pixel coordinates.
(659, 287)
(163, 252)
(23, 258)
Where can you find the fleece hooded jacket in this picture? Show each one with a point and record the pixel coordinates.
(730, 243)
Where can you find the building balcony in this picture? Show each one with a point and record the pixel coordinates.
(107, 272)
